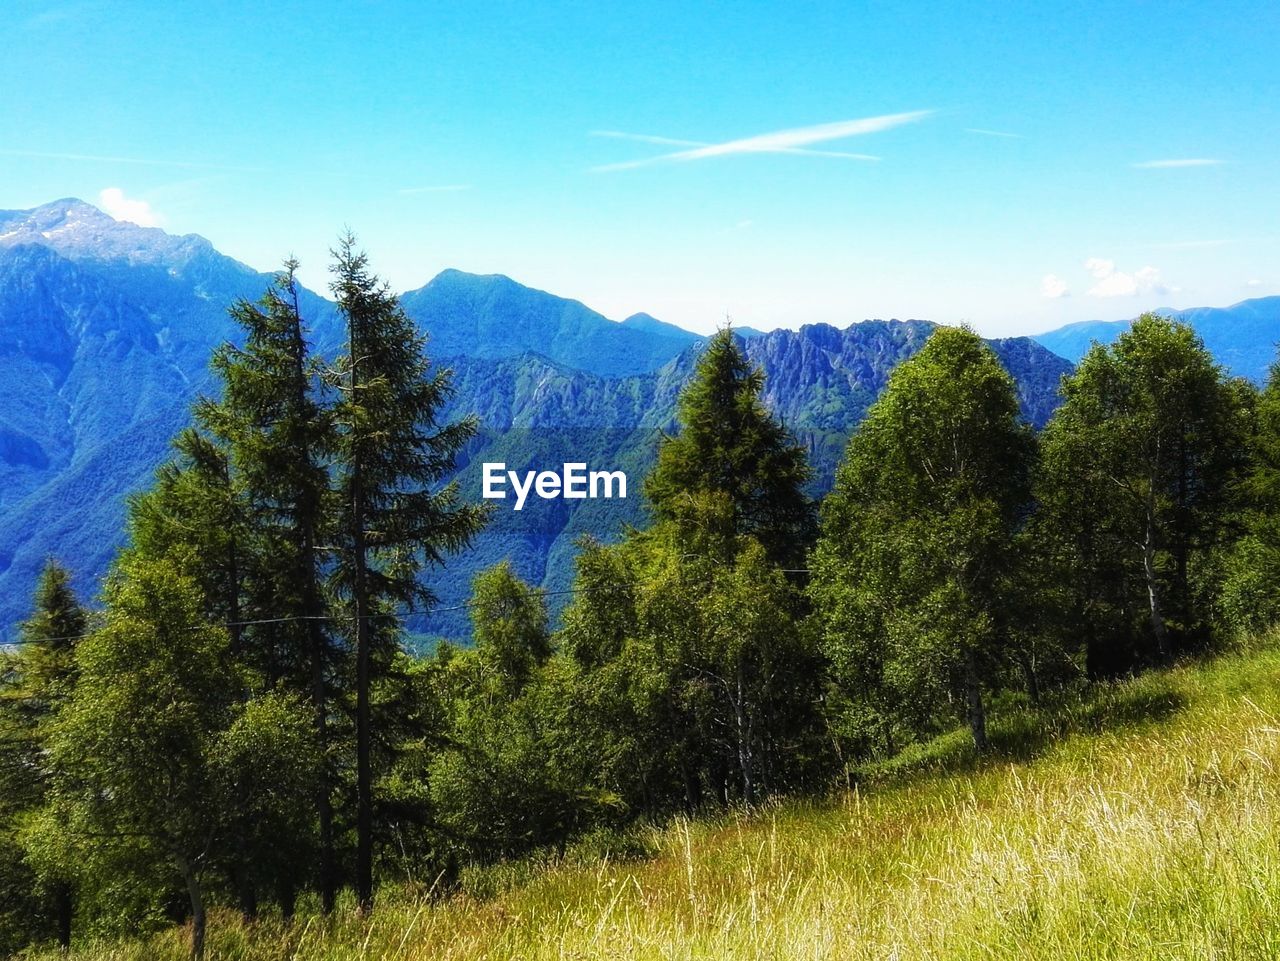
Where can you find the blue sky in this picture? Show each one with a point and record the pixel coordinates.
(1013, 168)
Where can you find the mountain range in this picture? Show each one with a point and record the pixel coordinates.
(106, 329)
(1242, 337)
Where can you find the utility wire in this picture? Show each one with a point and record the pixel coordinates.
(310, 617)
(467, 605)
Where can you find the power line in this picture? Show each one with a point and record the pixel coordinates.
(466, 605)
(310, 617)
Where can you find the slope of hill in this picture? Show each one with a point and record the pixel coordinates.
(1130, 821)
(492, 316)
(1242, 337)
(106, 330)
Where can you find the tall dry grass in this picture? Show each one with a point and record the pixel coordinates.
(1140, 820)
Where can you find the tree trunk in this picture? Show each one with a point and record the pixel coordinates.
(63, 910)
(248, 901)
(1028, 665)
(1158, 628)
(287, 895)
(196, 894)
(745, 761)
(692, 788)
(364, 774)
(973, 702)
(314, 609)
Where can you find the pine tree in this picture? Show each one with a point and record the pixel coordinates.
(394, 519)
(730, 444)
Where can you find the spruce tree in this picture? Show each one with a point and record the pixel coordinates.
(729, 444)
(278, 434)
(684, 631)
(394, 517)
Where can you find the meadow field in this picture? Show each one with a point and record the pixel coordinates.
(1133, 820)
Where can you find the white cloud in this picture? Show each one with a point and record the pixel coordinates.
(1053, 287)
(1116, 283)
(995, 133)
(1254, 282)
(1172, 164)
(139, 212)
(1099, 268)
(778, 142)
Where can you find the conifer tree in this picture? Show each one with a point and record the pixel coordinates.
(690, 643)
(730, 444)
(38, 679)
(277, 433)
(394, 520)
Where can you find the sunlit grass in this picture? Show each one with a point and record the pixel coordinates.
(1137, 821)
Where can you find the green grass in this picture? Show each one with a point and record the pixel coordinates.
(1139, 820)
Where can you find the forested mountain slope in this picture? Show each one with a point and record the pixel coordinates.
(106, 330)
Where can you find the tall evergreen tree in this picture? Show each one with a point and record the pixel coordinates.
(278, 435)
(911, 573)
(693, 644)
(729, 444)
(395, 519)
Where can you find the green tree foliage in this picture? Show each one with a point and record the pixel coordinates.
(1137, 469)
(729, 444)
(1250, 597)
(133, 748)
(276, 428)
(241, 718)
(395, 517)
(36, 900)
(697, 681)
(266, 766)
(912, 572)
(194, 516)
(509, 628)
(513, 770)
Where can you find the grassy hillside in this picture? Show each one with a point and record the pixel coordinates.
(1140, 820)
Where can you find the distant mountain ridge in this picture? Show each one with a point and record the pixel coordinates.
(106, 330)
(1242, 337)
